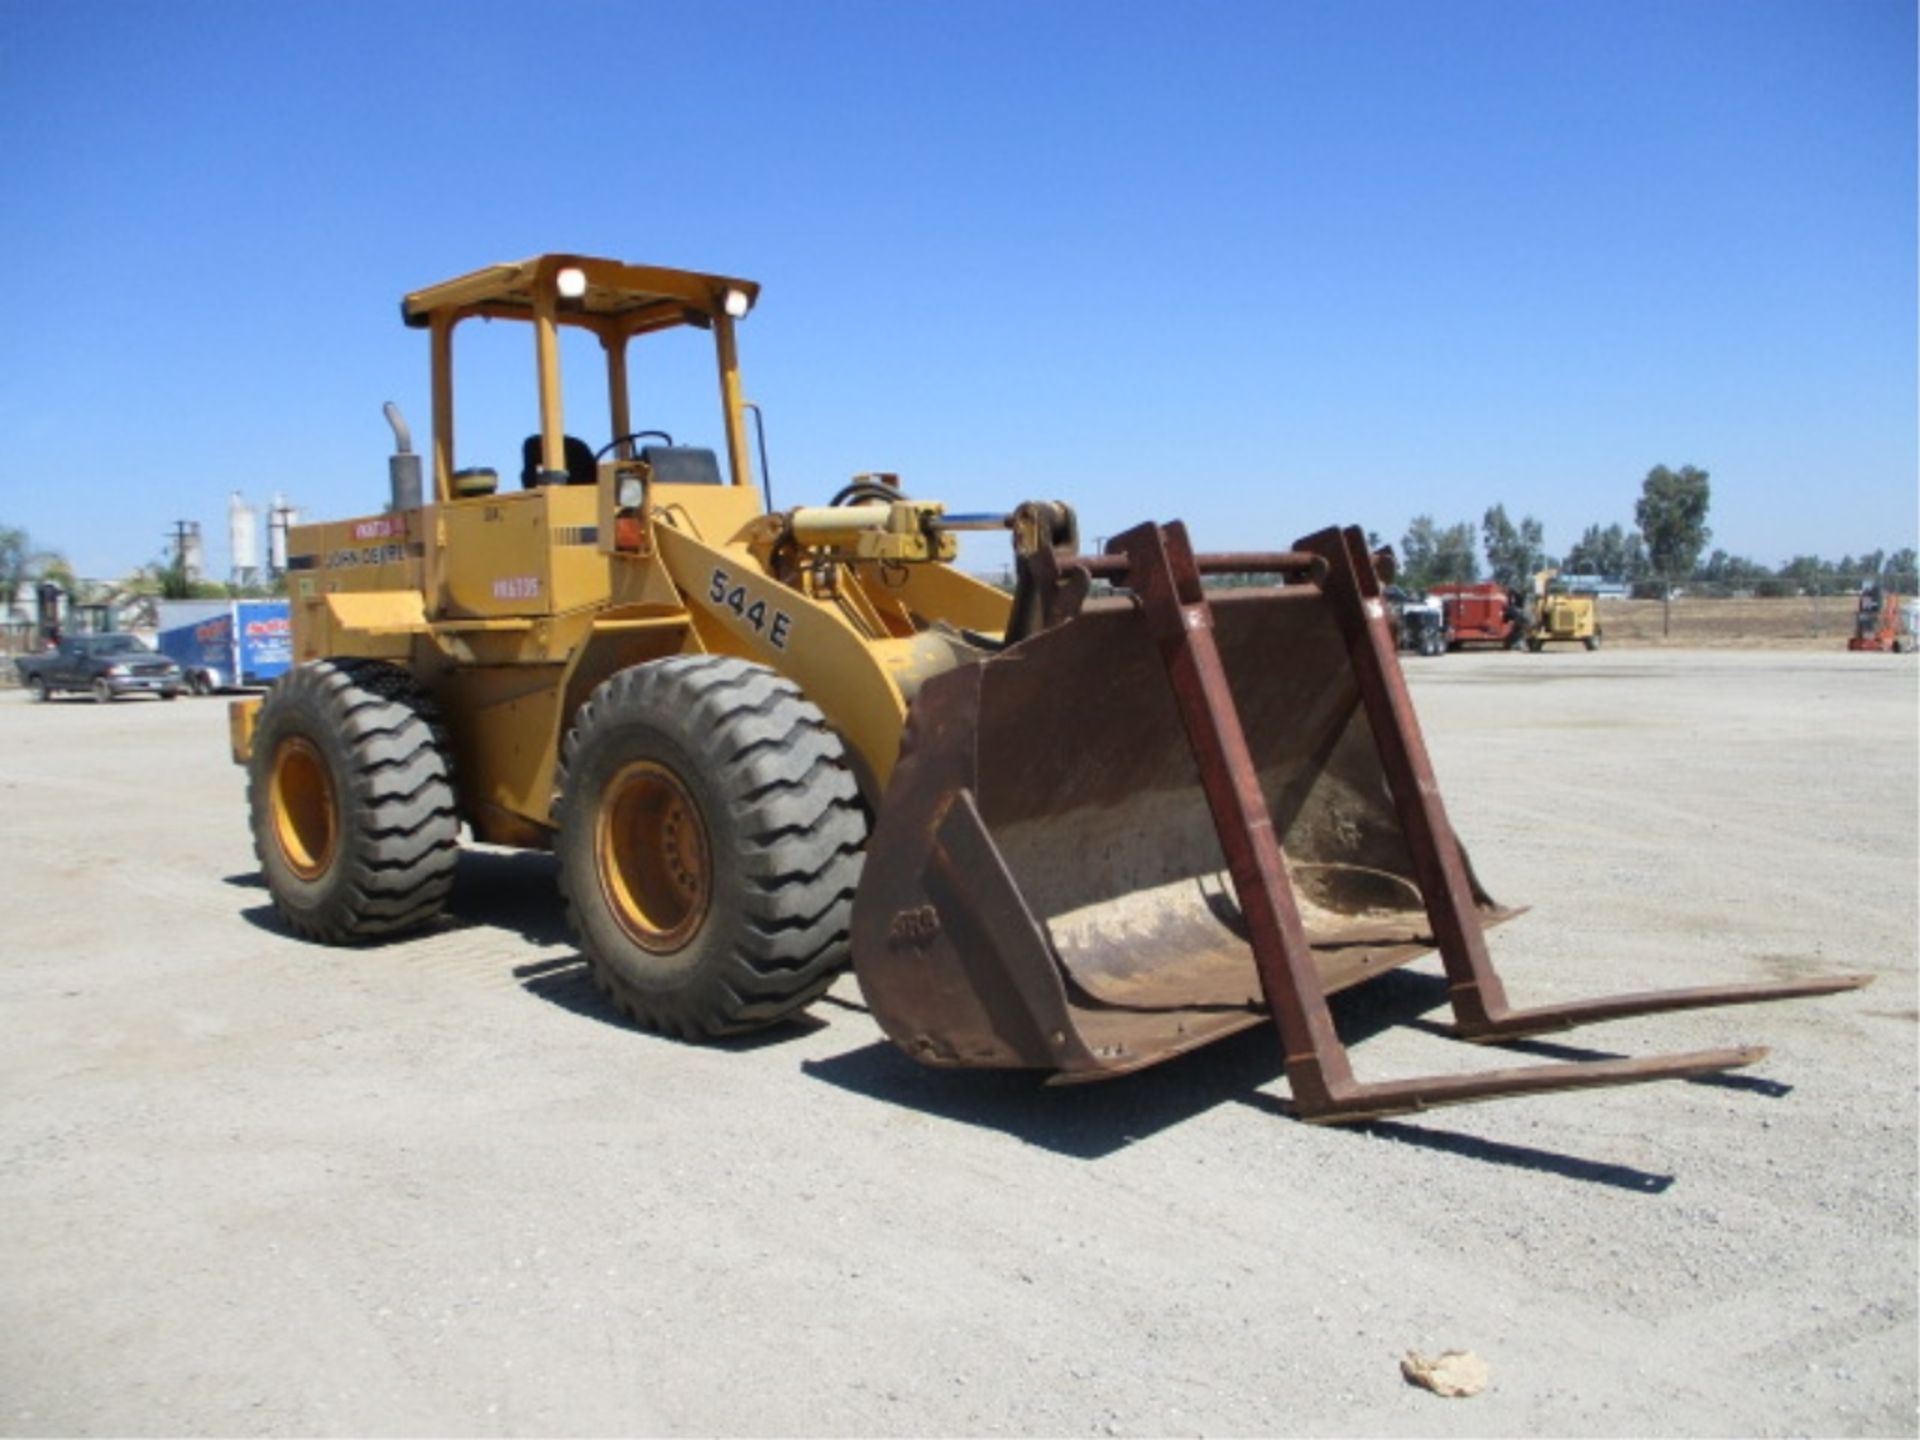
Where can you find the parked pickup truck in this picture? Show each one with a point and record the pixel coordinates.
(107, 666)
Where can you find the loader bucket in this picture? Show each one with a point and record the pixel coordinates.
(1171, 814)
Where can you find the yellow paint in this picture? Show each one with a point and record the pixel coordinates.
(242, 717)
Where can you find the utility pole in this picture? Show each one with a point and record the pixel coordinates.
(186, 549)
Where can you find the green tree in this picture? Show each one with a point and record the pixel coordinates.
(20, 563)
(1672, 515)
(16, 552)
(1612, 551)
(1899, 571)
(1431, 555)
(167, 580)
(1591, 554)
(1724, 573)
(1514, 552)
(1811, 575)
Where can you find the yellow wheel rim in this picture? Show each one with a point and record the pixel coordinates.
(305, 819)
(650, 847)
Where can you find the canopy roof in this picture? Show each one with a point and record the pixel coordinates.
(618, 296)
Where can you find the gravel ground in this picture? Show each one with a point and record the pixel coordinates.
(257, 1187)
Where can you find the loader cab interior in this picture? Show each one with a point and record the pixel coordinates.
(575, 298)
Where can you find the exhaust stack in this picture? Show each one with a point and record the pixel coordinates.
(403, 466)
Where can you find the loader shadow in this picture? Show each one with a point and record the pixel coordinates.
(566, 981)
(513, 890)
(1554, 1050)
(516, 891)
(1089, 1122)
(265, 917)
(1082, 1122)
(1522, 1157)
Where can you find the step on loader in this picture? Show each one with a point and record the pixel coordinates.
(1079, 828)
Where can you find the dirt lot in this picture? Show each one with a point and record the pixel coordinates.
(257, 1187)
(1801, 623)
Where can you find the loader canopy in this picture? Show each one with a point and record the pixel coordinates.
(616, 302)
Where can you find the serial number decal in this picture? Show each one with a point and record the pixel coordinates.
(517, 587)
(774, 624)
(372, 555)
(914, 929)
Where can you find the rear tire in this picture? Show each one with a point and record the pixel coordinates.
(351, 800)
(710, 841)
(37, 688)
(1593, 642)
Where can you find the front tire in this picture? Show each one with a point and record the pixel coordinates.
(710, 842)
(102, 692)
(1593, 642)
(351, 800)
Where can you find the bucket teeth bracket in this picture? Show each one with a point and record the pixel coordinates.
(1159, 567)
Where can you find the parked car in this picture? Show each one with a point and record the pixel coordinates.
(105, 666)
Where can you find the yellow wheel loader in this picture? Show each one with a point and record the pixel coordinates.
(1079, 828)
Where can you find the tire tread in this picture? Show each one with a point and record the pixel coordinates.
(399, 828)
(799, 836)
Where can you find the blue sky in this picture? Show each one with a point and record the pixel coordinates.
(1261, 266)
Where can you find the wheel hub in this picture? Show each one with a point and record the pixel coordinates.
(650, 848)
(305, 824)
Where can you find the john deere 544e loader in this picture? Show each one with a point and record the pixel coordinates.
(1081, 827)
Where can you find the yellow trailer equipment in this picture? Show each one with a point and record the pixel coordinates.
(1560, 614)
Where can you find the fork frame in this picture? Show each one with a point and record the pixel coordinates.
(1159, 566)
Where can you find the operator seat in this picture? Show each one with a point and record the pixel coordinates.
(579, 457)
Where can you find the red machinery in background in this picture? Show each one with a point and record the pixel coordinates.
(1885, 620)
(1482, 614)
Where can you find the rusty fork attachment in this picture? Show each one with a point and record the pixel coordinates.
(1158, 566)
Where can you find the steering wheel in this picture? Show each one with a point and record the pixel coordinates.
(619, 440)
(862, 492)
